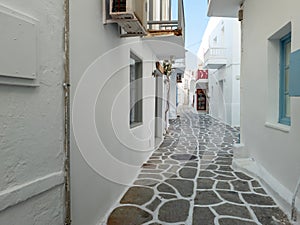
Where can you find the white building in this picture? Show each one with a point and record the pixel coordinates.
(220, 51)
(109, 143)
(117, 110)
(270, 103)
(31, 112)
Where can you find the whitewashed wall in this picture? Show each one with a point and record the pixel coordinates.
(106, 154)
(225, 102)
(173, 90)
(275, 148)
(31, 112)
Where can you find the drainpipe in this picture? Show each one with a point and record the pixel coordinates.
(66, 86)
(294, 210)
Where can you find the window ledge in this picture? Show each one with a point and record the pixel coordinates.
(278, 126)
(15, 81)
(135, 125)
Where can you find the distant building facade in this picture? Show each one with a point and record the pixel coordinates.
(270, 92)
(220, 53)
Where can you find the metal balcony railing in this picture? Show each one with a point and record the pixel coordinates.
(161, 18)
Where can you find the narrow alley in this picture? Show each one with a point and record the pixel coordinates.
(189, 179)
(149, 112)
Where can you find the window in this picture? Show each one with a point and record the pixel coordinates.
(136, 91)
(284, 97)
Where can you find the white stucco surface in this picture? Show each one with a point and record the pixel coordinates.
(106, 153)
(273, 146)
(224, 83)
(173, 85)
(31, 125)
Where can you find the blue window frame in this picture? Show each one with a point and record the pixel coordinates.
(284, 97)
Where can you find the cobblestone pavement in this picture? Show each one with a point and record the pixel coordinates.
(190, 180)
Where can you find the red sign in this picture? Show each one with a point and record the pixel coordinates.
(202, 74)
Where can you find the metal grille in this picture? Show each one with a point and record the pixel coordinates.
(119, 6)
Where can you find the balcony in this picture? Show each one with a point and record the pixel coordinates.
(158, 22)
(166, 28)
(147, 18)
(163, 21)
(214, 58)
(221, 8)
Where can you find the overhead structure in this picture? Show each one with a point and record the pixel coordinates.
(149, 18)
(131, 15)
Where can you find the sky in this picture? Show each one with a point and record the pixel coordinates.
(195, 23)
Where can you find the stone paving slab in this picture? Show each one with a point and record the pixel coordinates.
(189, 179)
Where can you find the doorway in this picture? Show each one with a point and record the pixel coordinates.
(201, 100)
(158, 110)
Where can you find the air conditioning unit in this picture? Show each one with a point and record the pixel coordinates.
(131, 15)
